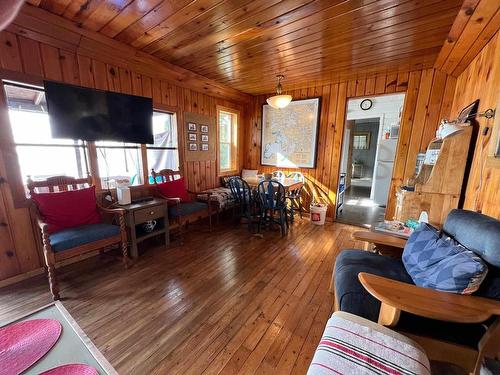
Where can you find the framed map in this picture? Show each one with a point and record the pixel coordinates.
(289, 135)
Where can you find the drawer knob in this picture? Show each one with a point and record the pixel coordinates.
(152, 213)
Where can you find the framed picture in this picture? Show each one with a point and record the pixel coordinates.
(193, 147)
(204, 147)
(469, 112)
(204, 128)
(192, 137)
(204, 138)
(289, 136)
(192, 127)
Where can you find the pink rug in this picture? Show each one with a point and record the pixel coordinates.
(74, 369)
(23, 344)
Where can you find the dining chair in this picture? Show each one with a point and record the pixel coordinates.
(272, 199)
(244, 199)
(295, 195)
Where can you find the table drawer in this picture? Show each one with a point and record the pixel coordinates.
(149, 213)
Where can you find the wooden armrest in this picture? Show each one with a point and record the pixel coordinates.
(116, 211)
(429, 303)
(44, 227)
(379, 238)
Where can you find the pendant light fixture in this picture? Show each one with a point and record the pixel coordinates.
(279, 101)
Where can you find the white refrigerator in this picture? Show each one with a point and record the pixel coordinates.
(382, 174)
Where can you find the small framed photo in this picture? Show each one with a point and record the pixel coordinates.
(193, 147)
(204, 128)
(204, 147)
(192, 127)
(192, 137)
(204, 138)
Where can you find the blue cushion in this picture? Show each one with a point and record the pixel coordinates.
(350, 294)
(477, 232)
(439, 262)
(73, 237)
(186, 208)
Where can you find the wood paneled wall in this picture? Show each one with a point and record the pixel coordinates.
(481, 80)
(30, 60)
(429, 95)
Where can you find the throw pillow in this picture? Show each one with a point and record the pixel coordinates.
(245, 173)
(439, 262)
(68, 209)
(175, 189)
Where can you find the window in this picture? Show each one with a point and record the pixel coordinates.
(39, 154)
(228, 140)
(164, 153)
(361, 141)
(117, 162)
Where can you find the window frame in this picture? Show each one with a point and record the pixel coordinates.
(144, 147)
(235, 145)
(8, 147)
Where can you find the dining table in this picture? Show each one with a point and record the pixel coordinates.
(289, 184)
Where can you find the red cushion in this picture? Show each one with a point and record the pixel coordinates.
(68, 209)
(175, 189)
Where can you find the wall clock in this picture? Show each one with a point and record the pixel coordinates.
(366, 104)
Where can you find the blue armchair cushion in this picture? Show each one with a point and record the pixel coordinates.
(477, 232)
(352, 297)
(77, 236)
(434, 260)
(350, 294)
(186, 208)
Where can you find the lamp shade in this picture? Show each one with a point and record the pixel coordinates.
(279, 101)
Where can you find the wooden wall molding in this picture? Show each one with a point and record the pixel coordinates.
(37, 24)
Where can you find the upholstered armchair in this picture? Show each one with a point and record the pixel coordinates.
(184, 205)
(71, 222)
(458, 328)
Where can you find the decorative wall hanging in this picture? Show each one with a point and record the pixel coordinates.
(289, 135)
(199, 137)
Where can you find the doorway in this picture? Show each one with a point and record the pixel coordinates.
(371, 134)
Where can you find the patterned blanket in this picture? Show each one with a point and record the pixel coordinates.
(221, 195)
(353, 345)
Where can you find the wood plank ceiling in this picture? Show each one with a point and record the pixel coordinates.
(245, 43)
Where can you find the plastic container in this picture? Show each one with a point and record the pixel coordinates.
(318, 213)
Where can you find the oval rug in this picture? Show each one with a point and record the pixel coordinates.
(73, 369)
(22, 344)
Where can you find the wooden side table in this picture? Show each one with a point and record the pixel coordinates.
(138, 214)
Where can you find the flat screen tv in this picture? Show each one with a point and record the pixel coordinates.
(94, 115)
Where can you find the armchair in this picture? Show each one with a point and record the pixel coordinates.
(462, 329)
(184, 205)
(73, 240)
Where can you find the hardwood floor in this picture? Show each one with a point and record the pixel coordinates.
(223, 303)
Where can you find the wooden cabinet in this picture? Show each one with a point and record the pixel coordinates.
(438, 186)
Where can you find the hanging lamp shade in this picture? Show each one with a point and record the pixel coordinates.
(279, 100)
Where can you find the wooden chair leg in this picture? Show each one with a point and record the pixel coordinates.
(51, 269)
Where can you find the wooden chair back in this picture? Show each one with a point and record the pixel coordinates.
(165, 175)
(58, 183)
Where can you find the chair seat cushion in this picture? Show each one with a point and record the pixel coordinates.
(186, 209)
(351, 296)
(437, 261)
(73, 237)
(68, 209)
(353, 345)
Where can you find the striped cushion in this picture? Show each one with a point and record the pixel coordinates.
(354, 345)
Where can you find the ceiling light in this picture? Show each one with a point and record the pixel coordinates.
(279, 100)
